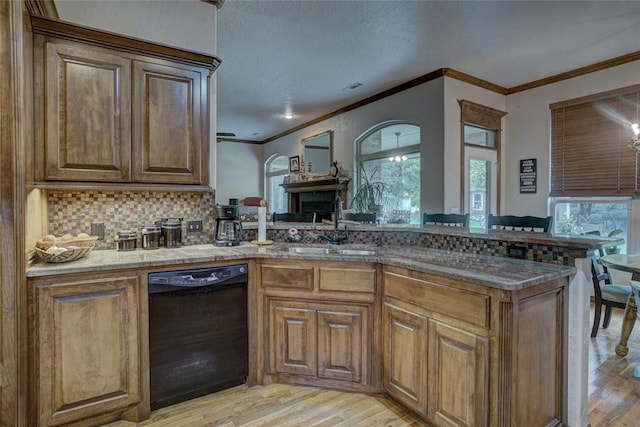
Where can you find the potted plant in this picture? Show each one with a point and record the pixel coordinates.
(610, 250)
(370, 194)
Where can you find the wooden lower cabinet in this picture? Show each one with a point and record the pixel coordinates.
(294, 342)
(438, 371)
(457, 376)
(462, 354)
(319, 340)
(404, 344)
(88, 349)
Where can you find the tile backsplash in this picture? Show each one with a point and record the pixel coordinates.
(74, 211)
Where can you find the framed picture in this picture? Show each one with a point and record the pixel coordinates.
(294, 164)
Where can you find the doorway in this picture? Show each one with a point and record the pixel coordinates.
(480, 184)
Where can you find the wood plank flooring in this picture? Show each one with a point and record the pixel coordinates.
(281, 405)
(612, 401)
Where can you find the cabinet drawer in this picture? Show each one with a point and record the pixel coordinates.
(456, 303)
(347, 279)
(274, 276)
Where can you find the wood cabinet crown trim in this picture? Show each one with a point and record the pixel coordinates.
(82, 34)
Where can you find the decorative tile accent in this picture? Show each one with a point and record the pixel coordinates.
(74, 211)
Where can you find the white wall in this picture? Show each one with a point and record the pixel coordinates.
(421, 106)
(455, 90)
(239, 171)
(528, 130)
(162, 22)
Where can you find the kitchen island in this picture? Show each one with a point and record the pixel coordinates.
(459, 338)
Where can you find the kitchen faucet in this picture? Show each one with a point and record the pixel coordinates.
(337, 236)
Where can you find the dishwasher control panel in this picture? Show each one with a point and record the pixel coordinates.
(199, 277)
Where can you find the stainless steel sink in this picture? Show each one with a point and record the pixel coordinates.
(308, 250)
(362, 252)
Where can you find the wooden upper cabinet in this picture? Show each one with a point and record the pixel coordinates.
(87, 110)
(167, 123)
(110, 108)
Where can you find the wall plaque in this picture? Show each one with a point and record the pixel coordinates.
(528, 176)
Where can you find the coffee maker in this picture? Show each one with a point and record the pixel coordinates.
(228, 229)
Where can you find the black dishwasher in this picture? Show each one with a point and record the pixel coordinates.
(197, 332)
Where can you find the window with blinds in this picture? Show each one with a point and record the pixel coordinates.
(589, 145)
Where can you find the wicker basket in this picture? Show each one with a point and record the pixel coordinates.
(76, 248)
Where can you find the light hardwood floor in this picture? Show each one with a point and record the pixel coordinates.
(612, 401)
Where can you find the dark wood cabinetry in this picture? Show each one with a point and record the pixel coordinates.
(461, 354)
(110, 109)
(88, 349)
(320, 323)
(87, 112)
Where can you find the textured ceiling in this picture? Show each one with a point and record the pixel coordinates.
(298, 56)
(301, 54)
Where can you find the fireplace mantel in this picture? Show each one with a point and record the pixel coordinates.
(306, 186)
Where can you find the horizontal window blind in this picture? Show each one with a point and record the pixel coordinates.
(589, 145)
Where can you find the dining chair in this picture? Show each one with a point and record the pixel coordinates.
(605, 293)
(520, 223)
(451, 220)
(294, 217)
(361, 217)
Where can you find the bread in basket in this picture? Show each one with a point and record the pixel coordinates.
(59, 250)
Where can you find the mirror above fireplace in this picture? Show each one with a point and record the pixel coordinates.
(318, 150)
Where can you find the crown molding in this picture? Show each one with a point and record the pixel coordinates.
(468, 78)
(217, 3)
(44, 8)
(598, 66)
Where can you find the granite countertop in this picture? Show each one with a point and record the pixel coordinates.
(497, 272)
(574, 241)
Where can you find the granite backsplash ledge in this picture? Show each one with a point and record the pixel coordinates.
(75, 211)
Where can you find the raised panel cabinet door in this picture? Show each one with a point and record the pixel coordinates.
(340, 345)
(404, 360)
(87, 114)
(168, 107)
(457, 377)
(89, 348)
(295, 344)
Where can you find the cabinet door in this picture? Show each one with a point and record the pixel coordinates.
(294, 340)
(458, 377)
(340, 345)
(88, 348)
(168, 104)
(405, 357)
(87, 109)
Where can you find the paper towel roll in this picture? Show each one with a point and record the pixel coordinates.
(262, 224)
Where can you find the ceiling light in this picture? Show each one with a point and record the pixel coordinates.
(402, 158)
(288, 116)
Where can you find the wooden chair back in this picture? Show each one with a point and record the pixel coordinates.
(605, 293)
(451, 220)
(520, 223)
(293, 217)
(361, 217)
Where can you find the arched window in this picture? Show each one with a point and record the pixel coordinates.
(275, 170)
(388, 159)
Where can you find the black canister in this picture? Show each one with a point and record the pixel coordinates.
(126, 240)
(150, 237)
(172, 232)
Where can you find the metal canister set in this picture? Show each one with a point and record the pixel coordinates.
(164, 233)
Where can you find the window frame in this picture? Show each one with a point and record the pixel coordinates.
(268, 175)
(406, 150)
(480, 116)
